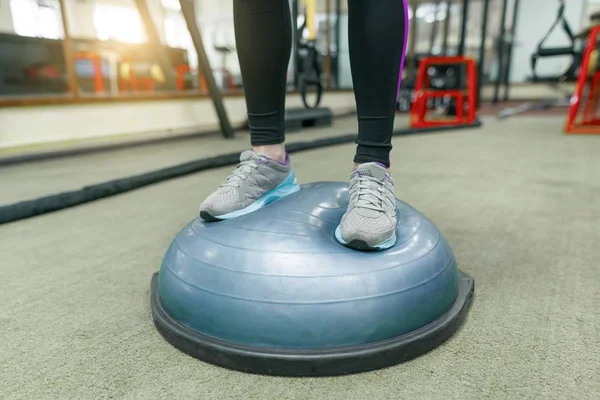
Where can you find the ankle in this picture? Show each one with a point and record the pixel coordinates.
(273, 151)
(387, 169)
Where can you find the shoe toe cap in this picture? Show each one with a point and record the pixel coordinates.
(223, 201)
(367, 229)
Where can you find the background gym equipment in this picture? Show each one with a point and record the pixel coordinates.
(309, 60)
(570, 50)
(481, 59)
(31, 66)
(35, 67)
(139, 76)
(576, 68)
(587, 91)
(307, 75)
(411, 63)
(504, 51)
(164, 63)
(225, 49)
(440, 86)
(274, 293)
(188, 11)
(442, 76)
(90, 66)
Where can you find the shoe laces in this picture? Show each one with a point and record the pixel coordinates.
(369, 192)
(241, 173)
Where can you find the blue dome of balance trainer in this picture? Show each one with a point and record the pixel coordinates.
(276, 281)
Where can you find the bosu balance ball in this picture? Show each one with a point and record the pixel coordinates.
(273, 292)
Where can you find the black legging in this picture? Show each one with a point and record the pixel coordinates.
(377, 37)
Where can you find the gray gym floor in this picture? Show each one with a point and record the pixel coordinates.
(518, 200)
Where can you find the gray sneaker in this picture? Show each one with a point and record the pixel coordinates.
(370, 221)
(256, 182)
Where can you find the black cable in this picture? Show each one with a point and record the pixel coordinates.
(308, 67)
(481, 64)
(501, 51)
(510, 49)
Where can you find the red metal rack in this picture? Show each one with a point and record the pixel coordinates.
(583, 115)
(424, 92)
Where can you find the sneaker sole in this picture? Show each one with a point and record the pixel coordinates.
(285, 188)
(364, 246)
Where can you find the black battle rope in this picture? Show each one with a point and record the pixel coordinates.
(61, 201)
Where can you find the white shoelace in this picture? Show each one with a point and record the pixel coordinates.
(368, 197)
(243, 170)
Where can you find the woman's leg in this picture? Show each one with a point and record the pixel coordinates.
(263, 31)
(377, 33)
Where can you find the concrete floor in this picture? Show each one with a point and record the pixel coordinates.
(518, 200)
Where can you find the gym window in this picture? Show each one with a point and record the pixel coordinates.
(37, 18)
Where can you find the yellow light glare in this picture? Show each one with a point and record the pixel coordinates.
(118, 23)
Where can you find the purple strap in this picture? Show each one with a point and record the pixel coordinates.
(405, 2)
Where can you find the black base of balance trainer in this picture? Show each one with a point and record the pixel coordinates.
(331, 362)
(299, 118)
